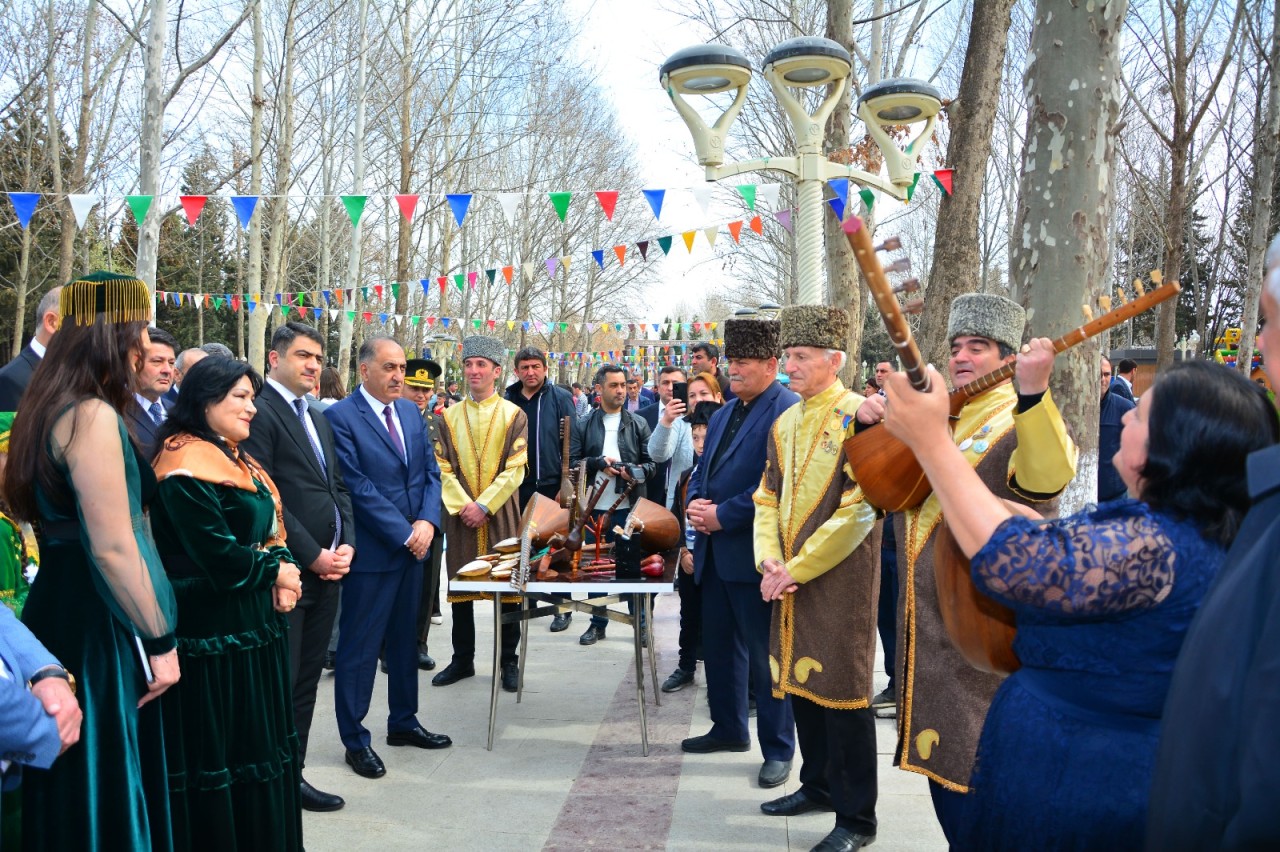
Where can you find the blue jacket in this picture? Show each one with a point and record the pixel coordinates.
(730, 482)
(1114, 406)
(387, 494)
(28, 735)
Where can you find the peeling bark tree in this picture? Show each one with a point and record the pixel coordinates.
(957, 265)
(1057, 261)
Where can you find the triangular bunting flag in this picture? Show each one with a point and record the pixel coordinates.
(911, 190)
(509, 201)
(552, 263)
(767, 193)
(565, 260)
(471, 279)
(688, 237)
(702, 195)
(560, 201)
(757, 225)
(748, 193)
(192, 205)
(507, 273)
(244, 205)
(407, 204)
(837, 205)
(942, 177)
(81, 204)
(511, 325)
(621, 252)
(735, 229)
(711, 234)
(665, 244)
(528, 270)
(784, 219)
(654, 197)
(24, 204)
(355, 207)
(840, 186)
(868, 199)
(598, 254)
(443, 282)
(608, 201)
(643, 245)
(458, 203)
(457, 281)
(491, 274)
(139, 205)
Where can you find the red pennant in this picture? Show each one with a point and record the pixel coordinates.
(368, 316)
(193, 204)
(490, 323)
(735, 228)
(408, 203)
(757, 226)
(608, 200)
(235, 304)
(431, 321)
(621, 252)
(944, 178)
(443, 282)
(377, 290)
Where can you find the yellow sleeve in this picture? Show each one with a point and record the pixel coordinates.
(451, 490)
(1045, 458)
(766, 526)
(507, 482)
(839, 536)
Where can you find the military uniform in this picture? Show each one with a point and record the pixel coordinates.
(422, 373)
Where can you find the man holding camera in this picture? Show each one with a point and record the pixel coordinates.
(614, 443)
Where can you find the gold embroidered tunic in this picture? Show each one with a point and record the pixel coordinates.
(482, 449)
(942, 701)
(811, 516)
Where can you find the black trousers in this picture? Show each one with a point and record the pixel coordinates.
(430, 591)
(887, 612)
(839, 752)
(310, 626)
(690, 620)
(464, 634)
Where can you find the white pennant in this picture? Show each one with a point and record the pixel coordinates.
(509, 201)
(711, 235)
(768, 193)
(333, 315)
(81, 204)
(702, 194)
(528, 271)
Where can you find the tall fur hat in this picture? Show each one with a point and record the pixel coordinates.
(820, 326)
(479, 346)
(987, 315)
(751, 338)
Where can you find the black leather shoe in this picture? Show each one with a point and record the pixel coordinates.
(365, 762)
(844, 840)
(773, 773)
(678, 680)
(561, 621)
(706, 744)
(593, 635)
(425, 661)
(794, 804)
(317, 801)
(453, 673)
(510, 676)
(420, 737)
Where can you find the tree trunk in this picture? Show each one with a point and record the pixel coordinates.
(256, 332)
(1064, 208)
(1264, 168)
(346, 332)
(151, 139)
(277, 242)
(956, 262)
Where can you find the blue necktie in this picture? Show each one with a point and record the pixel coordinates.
(157, 413)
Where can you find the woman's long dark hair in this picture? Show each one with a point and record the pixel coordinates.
(82, 362)
(1204, 422)
(205, 384)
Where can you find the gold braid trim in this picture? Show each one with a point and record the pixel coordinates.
(118, 298)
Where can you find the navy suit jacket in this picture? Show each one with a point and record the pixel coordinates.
(15, 376)
(145, 429)
(387, 493)
(730, 482)
(28, 735)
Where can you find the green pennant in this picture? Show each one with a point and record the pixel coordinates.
(139, 204)
(665, 242)
(938, 183)
(563, 326)
(284, 310)
(351, 316)
(395, 291)
(355, 207)
(459, 280)
(491, 274)
(476, 323)
(911, 190)
(415, 319)
(868, 198)
(748, 193)
(560, 200)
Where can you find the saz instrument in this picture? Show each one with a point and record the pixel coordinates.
(981, 629)
(566, 481)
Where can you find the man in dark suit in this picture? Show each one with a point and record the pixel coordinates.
(15, 375)
(704, 357)
(296, 448)
(735, 619)
(150, 384)
(656, 487)
(390, 469)
(1122, 381)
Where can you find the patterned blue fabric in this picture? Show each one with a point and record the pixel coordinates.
(1103, 600)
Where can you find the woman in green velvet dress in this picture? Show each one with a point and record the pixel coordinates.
(101, 603)
(229, 733)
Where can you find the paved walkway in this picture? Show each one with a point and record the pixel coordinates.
(566, 771)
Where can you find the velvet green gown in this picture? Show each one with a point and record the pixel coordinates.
(229, 732)
(108, 792)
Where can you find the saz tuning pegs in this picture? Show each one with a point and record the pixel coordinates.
(911, 285)
(913, 307)
(890, 244)
(902, 264)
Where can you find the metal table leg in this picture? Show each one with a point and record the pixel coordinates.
(497, 672)
(653, 656)
(644, 723)
(524, 643)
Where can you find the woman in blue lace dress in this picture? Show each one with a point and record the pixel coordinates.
(1103, 600)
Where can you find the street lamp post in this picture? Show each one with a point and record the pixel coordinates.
(795, 64)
